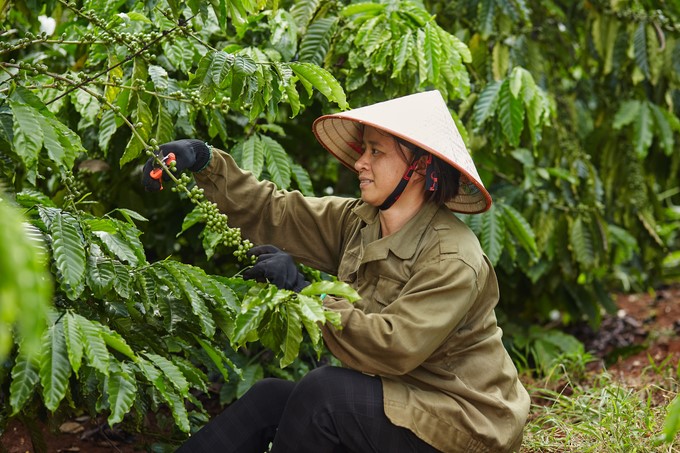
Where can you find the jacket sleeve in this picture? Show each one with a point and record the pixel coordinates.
(309, 228)
(410, 329)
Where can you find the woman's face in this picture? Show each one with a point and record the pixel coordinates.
(381, 166)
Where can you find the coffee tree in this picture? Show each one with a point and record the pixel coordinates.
(570, 111)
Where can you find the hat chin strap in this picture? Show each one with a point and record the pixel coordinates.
(396, 193)
(431, 181)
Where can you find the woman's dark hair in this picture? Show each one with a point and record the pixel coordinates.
(448, 181)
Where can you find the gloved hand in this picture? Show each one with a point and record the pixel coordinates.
(275, 266)
(189, 154)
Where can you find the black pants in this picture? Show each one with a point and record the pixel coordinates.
(331, 410)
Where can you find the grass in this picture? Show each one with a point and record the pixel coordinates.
(597, 413)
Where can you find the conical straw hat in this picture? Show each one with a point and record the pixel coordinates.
(422, 119)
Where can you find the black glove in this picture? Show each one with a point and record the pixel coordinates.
(190, 154)
(275, 266)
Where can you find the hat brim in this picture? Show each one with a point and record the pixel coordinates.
(341, 136)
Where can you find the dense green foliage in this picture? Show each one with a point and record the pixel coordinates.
(572, 112)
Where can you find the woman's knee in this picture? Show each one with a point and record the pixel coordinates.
(330, 387)
(321, 381)
(271, 391)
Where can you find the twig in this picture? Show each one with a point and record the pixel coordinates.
(181, 24)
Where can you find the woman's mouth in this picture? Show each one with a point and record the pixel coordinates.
(363, 182)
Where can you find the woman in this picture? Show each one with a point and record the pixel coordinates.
(424, 366)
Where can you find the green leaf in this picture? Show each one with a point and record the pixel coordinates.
(55, 368)
(323, 81)
(520, 229)
(372, 35)
(118, 246)
(114, 340)
(28, 135)
(121, 387)
(87, 105)
(222, 295)
(640, 48)
(278, 163)
(421, 58)
(311, 312)
(179, 52)
(203, 78)
(149, 371)
(672, 423)
(283, 33)
(30, 198)
(191, 219)
(317, 40)
(108, 125)
(251, 375)
(486, 104)
(486, 17)
(195, 376)
(303, 11)
(288, 80)
(311, 308)
(70, 143)
(165, 127)
(136, 144)
(663, 126)
(172, 372)
(493, 233)
(95, 347)
(25, 379)
(402, 53)
(52, 141)
(333, 288)
(244, 65)
(173, 312)
(122, 280)
(581, 242)
(69, 253)
(515, 79)
(159, 77)
(626, 113)
(462, 51)
(220, 68)
(291, 345)
(176, 404)
(74, 341)
(179, 411)
(217, 358)
(511, 114)
(137, 16)
(252, 156)
(362, 8)
(432, 50)
(246, 324)
(146, 289)
(642, 131)
(198, 306)
(302, 179)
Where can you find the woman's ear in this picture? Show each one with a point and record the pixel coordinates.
(421, 165)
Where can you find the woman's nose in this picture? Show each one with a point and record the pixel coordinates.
(361, 162)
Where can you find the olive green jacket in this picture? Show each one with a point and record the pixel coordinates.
(425, 323)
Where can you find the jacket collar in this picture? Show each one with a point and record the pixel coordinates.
(403, 243)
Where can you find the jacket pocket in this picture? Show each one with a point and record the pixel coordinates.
(386, 291)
